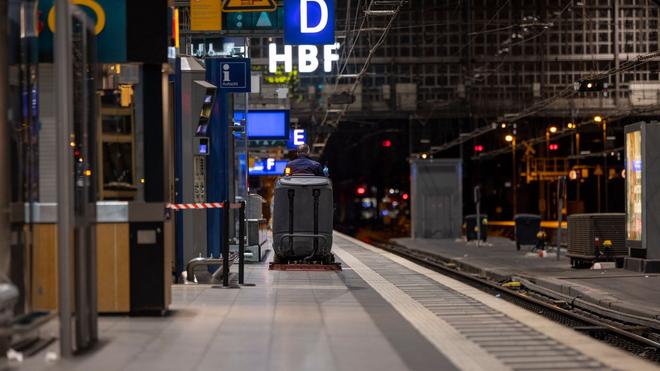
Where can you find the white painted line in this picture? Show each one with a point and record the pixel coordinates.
(465, 354)
(606, 354)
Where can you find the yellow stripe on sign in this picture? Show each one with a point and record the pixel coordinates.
(93, 5)
(205, 15)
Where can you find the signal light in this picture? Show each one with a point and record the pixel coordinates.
(478, 148)
(553, 147)
(361, 190)
(405, 196)
(590, 85)
(387, 143)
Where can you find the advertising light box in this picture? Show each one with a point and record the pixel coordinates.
(642, 173)
(634, 185)
(266, 124)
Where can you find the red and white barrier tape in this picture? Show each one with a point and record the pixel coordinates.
(206, 205)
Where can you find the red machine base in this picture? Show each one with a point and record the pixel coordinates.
(304, 267)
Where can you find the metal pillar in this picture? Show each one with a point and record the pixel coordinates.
(477, 201)
(513, 176)
(241, 244)
(5, 183)
(225, 244)
(63, 85)
(561, 191)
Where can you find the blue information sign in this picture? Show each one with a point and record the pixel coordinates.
(235, 75)
(309, 22)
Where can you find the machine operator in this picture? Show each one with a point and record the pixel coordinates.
(303, 164)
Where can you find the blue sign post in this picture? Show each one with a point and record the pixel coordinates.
(235, 75)
(309, 22)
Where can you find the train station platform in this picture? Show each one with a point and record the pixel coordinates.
(381, 312)
(632, 295)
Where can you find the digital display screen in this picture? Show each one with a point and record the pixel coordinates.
(205, 115)
(203, 149)
(634, 186)
(268, 167)
(201, 129)
(270, 124)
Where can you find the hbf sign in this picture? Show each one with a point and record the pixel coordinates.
(308, 57)
(309, 22)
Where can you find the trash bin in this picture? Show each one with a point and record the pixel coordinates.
(471, 227)
(527, 226)
(8, 298)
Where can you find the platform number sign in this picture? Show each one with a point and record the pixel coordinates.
(309, 22)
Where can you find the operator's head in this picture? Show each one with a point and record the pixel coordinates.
(303, 149)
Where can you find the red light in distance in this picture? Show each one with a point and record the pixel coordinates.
(553, 147)
(478, 148)
(387, 143)
(361, 190)
(405, 196)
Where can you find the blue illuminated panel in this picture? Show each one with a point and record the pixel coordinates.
(309, 22)
(262, 168)
(271, 124)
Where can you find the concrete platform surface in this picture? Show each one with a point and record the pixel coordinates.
(380, 313)
(630, 292)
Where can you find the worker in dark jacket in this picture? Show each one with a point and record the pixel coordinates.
(303, 164)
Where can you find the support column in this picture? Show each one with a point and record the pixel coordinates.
(5, 182)
(64, 88)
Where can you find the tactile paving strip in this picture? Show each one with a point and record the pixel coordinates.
(511, 342)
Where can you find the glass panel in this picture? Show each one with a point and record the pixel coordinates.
(120, 124)
(118, 166)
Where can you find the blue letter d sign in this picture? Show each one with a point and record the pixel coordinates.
(309, 22)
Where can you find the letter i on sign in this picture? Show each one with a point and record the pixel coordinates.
(225, 72)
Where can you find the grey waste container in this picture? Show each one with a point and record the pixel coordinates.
(8, 298)
(471, 225)
(527, 226)
(302, 219)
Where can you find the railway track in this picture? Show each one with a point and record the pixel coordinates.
(639, 340)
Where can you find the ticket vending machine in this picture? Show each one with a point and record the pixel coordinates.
(195, 106)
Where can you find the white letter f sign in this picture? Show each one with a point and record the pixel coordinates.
(304, 26)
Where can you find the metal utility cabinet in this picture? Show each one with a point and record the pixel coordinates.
(437, 200)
